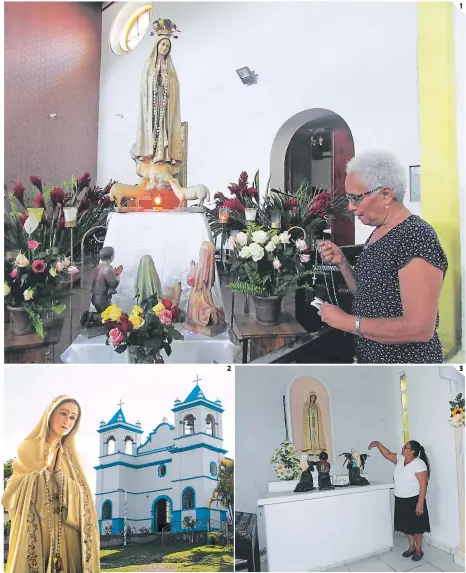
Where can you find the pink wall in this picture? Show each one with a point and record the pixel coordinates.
(52, 65)
(300, 390)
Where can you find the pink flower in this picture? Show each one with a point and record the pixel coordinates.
(59, 266)
(13, 273)
(33, 244)
(73, 270)
(276, 264)
(116, 336)
(66, 262)
(305, 258)
(38, 266)
(165, 317)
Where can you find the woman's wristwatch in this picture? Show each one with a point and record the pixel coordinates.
(357, 326)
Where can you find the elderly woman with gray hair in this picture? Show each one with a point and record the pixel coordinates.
(397, 280)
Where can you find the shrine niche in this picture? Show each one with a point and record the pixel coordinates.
(309, 415)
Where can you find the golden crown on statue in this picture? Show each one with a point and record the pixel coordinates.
(165, 27)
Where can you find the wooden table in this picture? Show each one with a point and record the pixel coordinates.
(265, 339)
(31, 348)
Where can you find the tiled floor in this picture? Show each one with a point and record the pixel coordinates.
(434, 560)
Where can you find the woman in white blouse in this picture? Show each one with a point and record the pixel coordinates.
(411, 476)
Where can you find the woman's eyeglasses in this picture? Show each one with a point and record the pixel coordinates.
(356, 199)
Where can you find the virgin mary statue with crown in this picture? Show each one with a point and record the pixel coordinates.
(159, 122)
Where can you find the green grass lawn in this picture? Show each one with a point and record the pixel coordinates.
(174, 557)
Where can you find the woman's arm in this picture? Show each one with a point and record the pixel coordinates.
(387, 454)
(347, 273)
(420, 286)
(422, 478)
(332, 254)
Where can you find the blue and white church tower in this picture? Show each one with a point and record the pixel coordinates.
(168, 477)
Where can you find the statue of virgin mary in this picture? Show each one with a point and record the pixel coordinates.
(53, 520)
(159, 123)
(313, 430)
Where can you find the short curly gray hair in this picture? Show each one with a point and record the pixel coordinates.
(379, 168)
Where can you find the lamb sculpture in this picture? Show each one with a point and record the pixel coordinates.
(186, 194)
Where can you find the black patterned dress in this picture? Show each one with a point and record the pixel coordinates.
(378, 290)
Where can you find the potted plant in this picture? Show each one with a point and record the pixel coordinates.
(145, 332)
(286, 461)
(92, 203)
(33, 286)
(267, 263)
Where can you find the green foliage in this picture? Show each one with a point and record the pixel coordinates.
(7, 470)
(224, 493)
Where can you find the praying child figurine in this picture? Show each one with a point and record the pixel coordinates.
(104, 285)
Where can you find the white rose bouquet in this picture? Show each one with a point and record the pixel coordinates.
(286, 461)
(268, 262)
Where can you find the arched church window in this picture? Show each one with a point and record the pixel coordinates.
(210, 423)
(188, 425)
(110, 445)
(162, 470)
(129, 27)
(129, 445)
(188, 498)
(107, 510)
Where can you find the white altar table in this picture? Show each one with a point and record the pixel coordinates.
(194, 349)
(319, 530)
(171, 238)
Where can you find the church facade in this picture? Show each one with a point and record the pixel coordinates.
(168, 477)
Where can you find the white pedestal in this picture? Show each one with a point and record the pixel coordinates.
(171, 238)
(289, 485)
(319, 530)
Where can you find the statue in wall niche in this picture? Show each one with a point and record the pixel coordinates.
(306, 482)
(313, 430)
(104, 286)
(354, 461)
(147, 283)
(323, 467)
(158, 138)
(203, 315)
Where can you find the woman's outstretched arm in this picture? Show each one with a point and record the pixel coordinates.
(384, 451)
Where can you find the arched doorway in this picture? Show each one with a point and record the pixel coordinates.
(314, 147)
(161, 514)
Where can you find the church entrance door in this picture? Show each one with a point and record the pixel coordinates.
(162, 516)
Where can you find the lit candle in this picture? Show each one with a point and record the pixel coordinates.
(275, 219)
(157, 203)
(250, 214)
(223, 215)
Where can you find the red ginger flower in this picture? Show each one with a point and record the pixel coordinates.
(22, 219)
(36, 181)
(38, 201)
(291, 202)
(84, 181)
(18, 192)
(58, 196)
(234, 205)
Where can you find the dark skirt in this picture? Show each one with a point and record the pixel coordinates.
(406, 520)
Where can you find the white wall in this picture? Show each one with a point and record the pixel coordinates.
(428, 411)
(307, 55)
(364, 406)
(460, 64)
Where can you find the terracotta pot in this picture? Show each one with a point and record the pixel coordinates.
(141, 355)
(268, 309)
(20, 321)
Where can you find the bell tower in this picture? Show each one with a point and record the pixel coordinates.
(119, 436)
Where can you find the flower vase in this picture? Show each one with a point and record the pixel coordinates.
(21, 322)
(142, 355)
(268, 309)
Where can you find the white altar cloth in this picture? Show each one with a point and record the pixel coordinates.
(171, 238)
(194, 349)
(320, 530)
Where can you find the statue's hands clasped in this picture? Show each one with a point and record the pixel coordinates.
(54, 457)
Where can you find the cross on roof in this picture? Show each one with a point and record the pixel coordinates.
(121, 403)
(197, 379)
